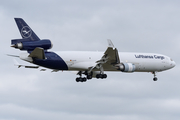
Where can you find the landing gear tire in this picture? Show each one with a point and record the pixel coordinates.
(155, 79)
(80, 79)
(77, 79)
(83, 79)
(89, 77)
(98, 76)
(102, 76)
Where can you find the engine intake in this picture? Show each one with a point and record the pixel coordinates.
(31, 45)
(126, 67)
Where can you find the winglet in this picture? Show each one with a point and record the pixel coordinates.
(110, 44)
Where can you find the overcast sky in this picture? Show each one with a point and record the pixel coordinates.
(78, 25)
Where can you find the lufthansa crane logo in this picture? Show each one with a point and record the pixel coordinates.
(26, 32)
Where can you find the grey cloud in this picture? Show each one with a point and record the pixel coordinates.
(140, 26)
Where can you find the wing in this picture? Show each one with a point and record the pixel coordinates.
(108, 60)
(110, 56)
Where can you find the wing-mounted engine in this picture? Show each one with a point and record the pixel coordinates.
(126, 67)
(24, 44)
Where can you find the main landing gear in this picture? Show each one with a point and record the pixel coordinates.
(101, 75)
(88, 76)
(155, 78)
(81, 79)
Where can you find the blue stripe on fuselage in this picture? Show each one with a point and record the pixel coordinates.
(52, 61)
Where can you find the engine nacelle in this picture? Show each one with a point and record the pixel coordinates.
(31, 45)
(126, 67)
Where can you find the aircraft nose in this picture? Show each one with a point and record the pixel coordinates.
(173, 64)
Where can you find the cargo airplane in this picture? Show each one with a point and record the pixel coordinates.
(87, 64)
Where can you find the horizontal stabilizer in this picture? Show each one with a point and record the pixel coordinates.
(37, 53)
(12, 55)
(19, 65)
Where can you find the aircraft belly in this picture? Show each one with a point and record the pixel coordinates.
(81, 65)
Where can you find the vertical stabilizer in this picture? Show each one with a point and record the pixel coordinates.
(25, 31)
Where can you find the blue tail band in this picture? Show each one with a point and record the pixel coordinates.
(15, 41)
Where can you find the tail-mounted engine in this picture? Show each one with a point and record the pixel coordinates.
(24, 44)
(126, 67)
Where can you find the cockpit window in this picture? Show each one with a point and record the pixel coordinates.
(171, 59)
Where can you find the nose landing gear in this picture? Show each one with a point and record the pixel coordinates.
(155, 78)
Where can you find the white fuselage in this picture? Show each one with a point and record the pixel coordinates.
(144, 62)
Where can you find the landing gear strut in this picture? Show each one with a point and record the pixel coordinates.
(101, 75)
(88, 75)
(155, 78)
